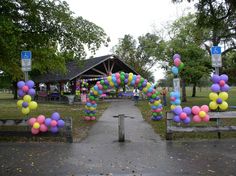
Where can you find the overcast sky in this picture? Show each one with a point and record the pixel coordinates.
(135, 17)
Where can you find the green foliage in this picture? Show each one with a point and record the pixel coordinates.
(47, 28)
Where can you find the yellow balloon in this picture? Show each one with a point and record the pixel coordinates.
(109, 78)
(224, 105)
(145, 89)
(33, 105)
(27, 98)
(213, 96)
(95, 92)
(131, 74)
(19, 103)
(111, 84)
(25, 110)
(172, 107)
(202, 114)
(36, 125)
(213, 105)
(223, 95)
(130, 78)
(148, 85)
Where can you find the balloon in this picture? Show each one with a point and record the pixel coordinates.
(54, 129)
(224, 77)
(215, 78)
(25, 104)
(60, 123)
(213, 105)
(36, 125)
(223, 105)
(41, 119)
(215, 87)
(175, 70)
(176, 119)
(30, 83)
(177, 102)
(93, 118)
(204, 108)
(225, 88)
(177, 62)
(20, 93)
(187, 110)
(55, 116)
(25, 110)
(20, 84)
(33, 105)
(31, 121)
(87, 118)
(172, 107)
(197, 119)
(27, 98)
(183, 115)
(223, 95)
(53, 123)
(213, 96)
(219, 101)
(202, 114)
(206, 118)
(34, 131)
(48, 121)
(176, 56)
(25, 88)
(181, 66)
(43, 128)
(195, 109)
(31, 92)
(19, 103)
(177, 110)
(109, 78)
(187, 120)
(222, 83)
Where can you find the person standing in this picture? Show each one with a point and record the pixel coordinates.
(136, 95)
(164, 93)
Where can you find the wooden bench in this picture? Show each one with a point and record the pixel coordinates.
(20, 128)
(216, 127)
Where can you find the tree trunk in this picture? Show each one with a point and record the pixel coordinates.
(184, 97)
(194, 90)
(14, 90)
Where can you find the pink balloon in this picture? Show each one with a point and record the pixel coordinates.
(205, 108)
(25, 88)
(118, 81)
(206, 118)
(117, 75)
(34, 131)
(183, 115)
(149, 94)
(41, 119)
(172, 98)
(93, 118)
(93, 102)
(195, 110)
(196, 119)
(53, 123)
(43, 128)
(177, 62)
(137, 81)
(222, 83)
(87, 118)
(31, 121)
(100, 87)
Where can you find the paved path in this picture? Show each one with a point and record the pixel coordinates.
(144, 153)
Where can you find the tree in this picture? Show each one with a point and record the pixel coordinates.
(143, 54)
(49, 30)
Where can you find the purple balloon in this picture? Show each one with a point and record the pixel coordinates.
(30, 83)
(60, 123)
(20, 92)
(48, 121)
(126, 75)
(215, 88)
(126, 81)
(177, 110)
(219, 101)
(176, 56)
(31, 92)
(187, 110)
(25, 104)
(215, 78)
(176, 119)
(225, 88)
(55, 116)
(224, 77)
(54, 129)
(187, 120)
(20, 84)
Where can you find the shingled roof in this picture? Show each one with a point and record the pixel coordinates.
(77, 69)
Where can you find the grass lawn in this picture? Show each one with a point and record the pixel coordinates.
(80, 127)
(200, 99)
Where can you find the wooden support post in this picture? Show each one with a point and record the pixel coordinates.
(121, 127)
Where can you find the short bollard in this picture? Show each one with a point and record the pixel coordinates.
(121, 127)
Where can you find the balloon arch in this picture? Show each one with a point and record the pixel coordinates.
(118, 80)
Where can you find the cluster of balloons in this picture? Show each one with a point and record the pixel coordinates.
(178, 64)
(182, 115)
(200, 113)
(42, 124)
(156, 106)
(26, 92)
(219, 94)
(174, 99)
(117, 80)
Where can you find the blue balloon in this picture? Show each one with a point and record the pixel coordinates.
(175, 70)
(177, 101)
(95, 87)
(177, 94)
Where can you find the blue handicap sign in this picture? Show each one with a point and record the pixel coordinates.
(215, 50)
(26, 54)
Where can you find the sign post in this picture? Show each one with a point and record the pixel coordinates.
(216, 58)
(26, 62)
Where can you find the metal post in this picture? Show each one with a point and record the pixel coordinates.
(121, 127)
(26, 76)
(217, 72)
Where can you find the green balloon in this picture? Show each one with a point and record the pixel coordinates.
(102, 81)
(181, 66)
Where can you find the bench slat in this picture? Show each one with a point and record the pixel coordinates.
(200, 129)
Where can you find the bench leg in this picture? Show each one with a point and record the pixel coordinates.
(168, 136)
(219, 135)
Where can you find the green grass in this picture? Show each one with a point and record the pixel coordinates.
(200, 99)
(80, 127)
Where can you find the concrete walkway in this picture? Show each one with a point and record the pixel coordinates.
(143, 153)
